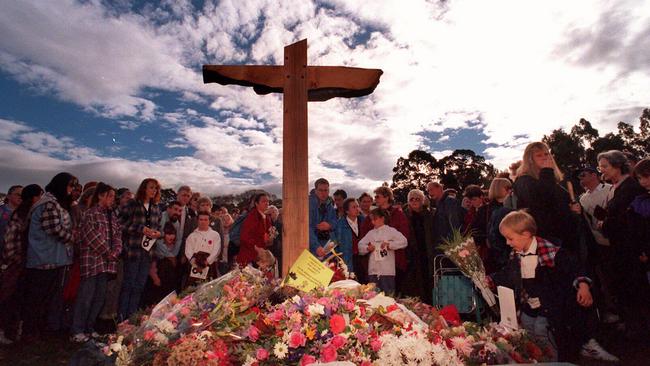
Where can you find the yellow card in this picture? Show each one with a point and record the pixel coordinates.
(308, 273)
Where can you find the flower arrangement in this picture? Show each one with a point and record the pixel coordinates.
(243, 319)
(461, 250)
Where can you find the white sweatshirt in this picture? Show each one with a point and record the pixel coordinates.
(382, 265)
(203, 241)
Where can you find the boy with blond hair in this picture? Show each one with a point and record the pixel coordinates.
(549, 284)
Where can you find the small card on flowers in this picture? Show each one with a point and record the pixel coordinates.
(308, 273)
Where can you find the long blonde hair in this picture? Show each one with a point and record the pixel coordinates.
(528, 166)
(497, 184)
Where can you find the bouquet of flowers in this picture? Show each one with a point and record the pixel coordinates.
(461, 250)
(233, 322)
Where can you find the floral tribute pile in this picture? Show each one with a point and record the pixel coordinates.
(243, 318)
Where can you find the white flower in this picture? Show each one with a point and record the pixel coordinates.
(115, 347)
(462, 345)
(316, 309)
(296, 299)
(165, 326)
(205, 335)
(280, 350)
(249, 361)
(160, 339)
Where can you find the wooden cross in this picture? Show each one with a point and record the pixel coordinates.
(299, 83)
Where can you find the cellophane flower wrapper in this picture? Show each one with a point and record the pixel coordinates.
(462, 251)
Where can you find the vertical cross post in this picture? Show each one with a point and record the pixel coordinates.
(295, 185)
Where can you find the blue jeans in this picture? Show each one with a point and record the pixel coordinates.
(385, 283)
(136, 271)
(538, 328)
(90, 300)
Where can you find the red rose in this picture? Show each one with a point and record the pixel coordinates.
(337, 324)
(307, 360)
(328, 354)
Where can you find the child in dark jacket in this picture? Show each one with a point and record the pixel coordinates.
(549, 284)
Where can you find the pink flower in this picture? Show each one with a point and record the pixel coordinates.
(328, 354)
(297, 339)
(337, 324)
(185, 311)
(253, 333)
(366, 363)
(172, 318)
(307, 360)
(463, 253)
(349, 306)
(375, 344)
(261, 354)
(148, 335)
(276, 316)
(338, 341)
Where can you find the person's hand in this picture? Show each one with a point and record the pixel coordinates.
(643, 258)
(575, 207)
(599, 225)
(324, 226)
(156, 281)
(320, 251)
(371, 248)
(151, 233)
(584, 295)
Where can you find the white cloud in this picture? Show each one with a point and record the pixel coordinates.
(518, 68)
(9, 129)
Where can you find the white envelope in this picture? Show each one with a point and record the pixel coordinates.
(508, 308)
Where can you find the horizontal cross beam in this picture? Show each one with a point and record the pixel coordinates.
(323, 82)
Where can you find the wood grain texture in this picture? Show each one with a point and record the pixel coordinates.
(295, 204)
(323, 82)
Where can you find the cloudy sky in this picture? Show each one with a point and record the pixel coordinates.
(112, 90)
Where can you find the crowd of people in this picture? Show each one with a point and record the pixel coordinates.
(574, 256)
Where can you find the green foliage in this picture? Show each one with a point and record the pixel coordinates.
(583, 144)
(458, 170)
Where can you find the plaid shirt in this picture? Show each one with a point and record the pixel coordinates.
(13, 251)
(134, 218)
(55, 221)
(96, 253)
(546, 252)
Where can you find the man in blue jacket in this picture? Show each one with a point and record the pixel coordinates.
(322, 217)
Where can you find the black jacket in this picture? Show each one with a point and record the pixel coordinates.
(617, 226)
(548, 203)
(557, 295)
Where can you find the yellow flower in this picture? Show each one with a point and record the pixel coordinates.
(310, 333)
